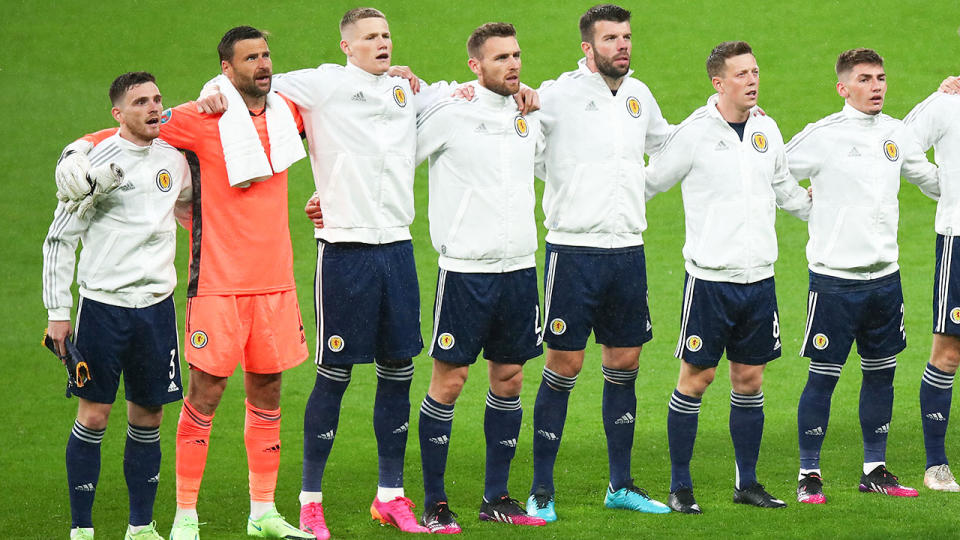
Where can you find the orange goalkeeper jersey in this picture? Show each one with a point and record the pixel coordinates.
(239, 237)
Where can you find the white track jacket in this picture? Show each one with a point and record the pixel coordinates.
(593, 163)
(854, 162)
(361, 130)
(936, 122)
(130, 241)
(482, 201)
(731, 189)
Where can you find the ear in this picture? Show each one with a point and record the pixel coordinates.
(587, 49)
(225, 67)
(345, 47)
(474, 66)
(117, 115)
(717, 83)
(842, 90)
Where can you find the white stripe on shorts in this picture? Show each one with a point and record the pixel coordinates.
(548, 294)
(811, 308)
(318, 305)
(441, 283)
(943, 284)
(687, 302)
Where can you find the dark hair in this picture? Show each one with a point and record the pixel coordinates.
(485, 32)
(848, 59)
(233, 35)
(127, 81)
(356, 14)
(718, 56)
(600, 12)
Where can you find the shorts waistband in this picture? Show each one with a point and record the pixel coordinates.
(830, 284)
(587, 250)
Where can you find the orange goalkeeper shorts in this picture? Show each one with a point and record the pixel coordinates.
(261, 332)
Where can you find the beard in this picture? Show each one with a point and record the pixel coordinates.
(249, 86)
(501, 87)
(606, 67)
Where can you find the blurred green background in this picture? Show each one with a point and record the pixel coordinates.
(59, 59)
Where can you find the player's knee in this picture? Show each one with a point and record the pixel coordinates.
(746, 381)
(621, 358)
(946, 356)
(93, 415)
(694, 381)
(507, 382)
(447, 389)
(564, 363)
(144, 416)
(205, 393)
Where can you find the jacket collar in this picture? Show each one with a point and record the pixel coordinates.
(129, 146)
(713, 111)
(491, 98)
(364, 74)
(850, 112)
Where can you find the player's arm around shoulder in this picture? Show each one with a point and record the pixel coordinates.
(183, 206)
(437, 125)
(915, 167)
(183, 126)
(930, 119)
(791, 197)
(675, 157)
(806, 150)
(309, 88)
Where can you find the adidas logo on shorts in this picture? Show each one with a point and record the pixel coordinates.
(402, 429)
(816, 432)
(625, 419)
(155, 479)
(883, 429)
(173, 387)
(328, 436)
(936, 417)
(547, 435)
(85, 487)
(512, 443)
(441, 440)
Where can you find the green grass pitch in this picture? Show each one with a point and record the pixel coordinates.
(58, 60)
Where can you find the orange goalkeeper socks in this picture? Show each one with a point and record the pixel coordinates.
(193, 438)
(261, 435)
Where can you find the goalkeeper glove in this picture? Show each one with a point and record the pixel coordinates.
(71, 173)
(103, 180)
(78, 372)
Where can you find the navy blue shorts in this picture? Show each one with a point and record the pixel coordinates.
(367, 303)
(840, 311)
(140, 343)
(946, 288)
(739, 318)
(498, 313)
(603, 290)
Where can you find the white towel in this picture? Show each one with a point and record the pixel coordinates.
(244, 156)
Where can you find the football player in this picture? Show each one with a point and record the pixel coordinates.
(854, 160)
(125, 323)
